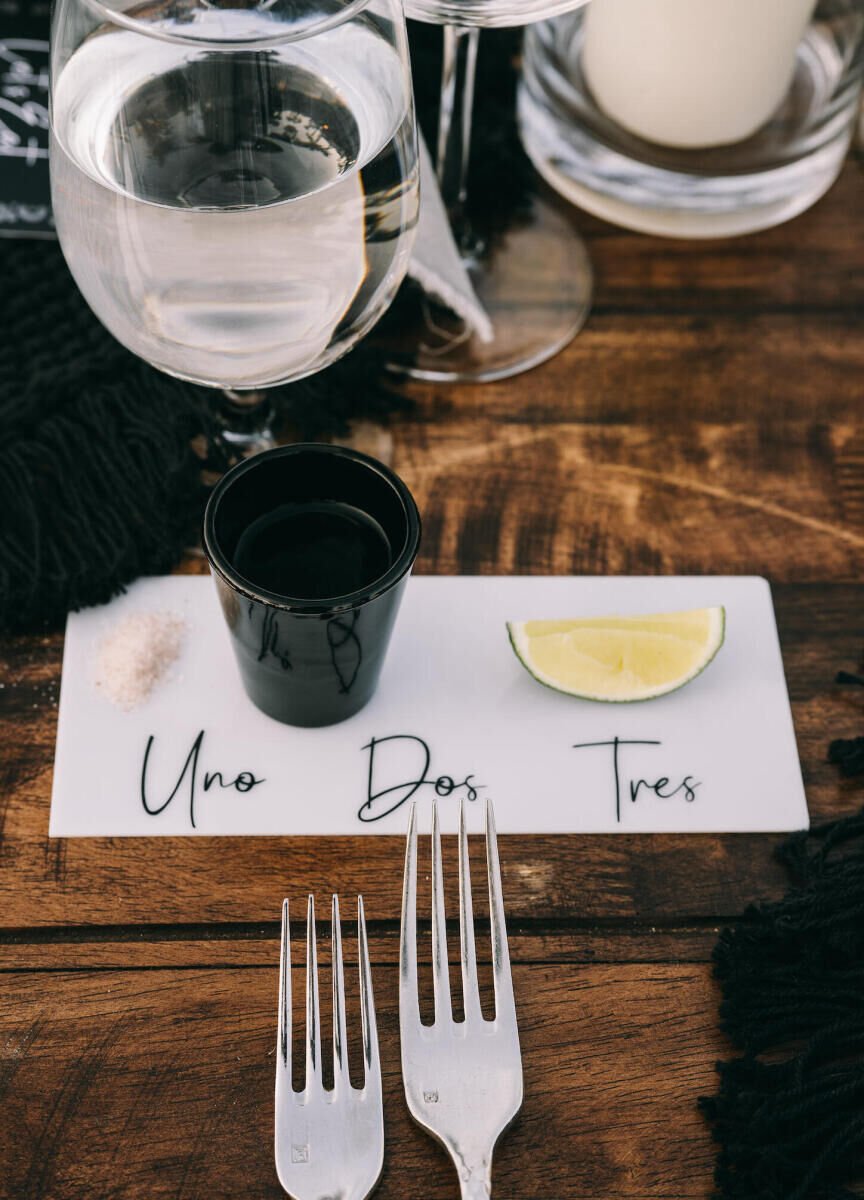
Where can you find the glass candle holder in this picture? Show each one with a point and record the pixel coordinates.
(693, 118)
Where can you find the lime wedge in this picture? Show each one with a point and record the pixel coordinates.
(619, 658)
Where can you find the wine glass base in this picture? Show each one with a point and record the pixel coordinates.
(535, 283)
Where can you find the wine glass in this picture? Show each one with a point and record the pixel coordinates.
(235, 185)
(534, 281)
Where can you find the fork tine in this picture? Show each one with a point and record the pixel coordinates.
(327, 1143)
(470, 989)
(409, 1004)
(440, 969)
(313, 1030)
(340, 1035)
(285, 994)
(505, 1007)
(367, 1005)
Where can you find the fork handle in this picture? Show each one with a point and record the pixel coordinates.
(477, 1185)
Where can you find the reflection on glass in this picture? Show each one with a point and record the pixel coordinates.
(235, 188)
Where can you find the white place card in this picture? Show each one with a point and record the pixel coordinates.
(455, 715)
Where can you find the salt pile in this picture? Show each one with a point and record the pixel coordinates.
(136, 654)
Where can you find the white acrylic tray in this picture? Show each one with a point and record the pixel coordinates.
(718, 755)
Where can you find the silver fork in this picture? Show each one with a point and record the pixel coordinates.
(329, 1143)
(463, 1079)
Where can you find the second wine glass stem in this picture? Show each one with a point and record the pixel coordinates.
(458, 75)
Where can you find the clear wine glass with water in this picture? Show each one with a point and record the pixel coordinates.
(535, 281)
(234, 184)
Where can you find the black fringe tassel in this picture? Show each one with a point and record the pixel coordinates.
(104, 461)
(789, 1115)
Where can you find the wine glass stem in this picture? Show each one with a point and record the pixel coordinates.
(247, 420)
(458, 75)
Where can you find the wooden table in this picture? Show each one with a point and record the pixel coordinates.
(708, 419)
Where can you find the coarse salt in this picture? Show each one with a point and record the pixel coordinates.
(136, 654)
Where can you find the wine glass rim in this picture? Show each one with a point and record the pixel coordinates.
(148, 29)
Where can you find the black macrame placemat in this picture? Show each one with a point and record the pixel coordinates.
(101, 456)
(789, 1114)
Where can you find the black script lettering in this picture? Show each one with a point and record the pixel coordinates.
(660, 787)
(687, 786)
(615, 743)
(397, 794)
(245, 781)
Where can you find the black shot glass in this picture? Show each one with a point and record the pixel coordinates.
(310, 547)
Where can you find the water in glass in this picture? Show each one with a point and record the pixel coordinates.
(236, 213)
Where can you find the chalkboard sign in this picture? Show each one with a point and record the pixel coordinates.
(25, 195)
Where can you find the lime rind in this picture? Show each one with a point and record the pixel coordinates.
(713, 641)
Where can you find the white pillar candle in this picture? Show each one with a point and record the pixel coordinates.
(692, 72)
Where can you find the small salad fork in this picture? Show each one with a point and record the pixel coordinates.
(329, 1143)
(463, 1079)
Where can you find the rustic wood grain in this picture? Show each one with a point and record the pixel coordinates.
(808, 266)
(256, 944)
(148, 1084)
(708, 419)
(686, 369)
(607, 498)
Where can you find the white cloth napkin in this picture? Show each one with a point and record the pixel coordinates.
(435, 263)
